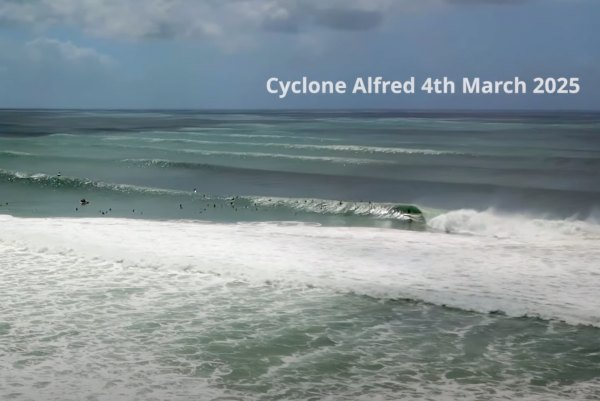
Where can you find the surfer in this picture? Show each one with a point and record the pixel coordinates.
(84, 202)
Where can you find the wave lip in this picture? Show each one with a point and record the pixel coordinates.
(164, 163)
(263, 155)
(334, 207)
(14, 153)
(48, 181)
(343, 148)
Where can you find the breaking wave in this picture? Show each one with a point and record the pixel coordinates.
(515, 276)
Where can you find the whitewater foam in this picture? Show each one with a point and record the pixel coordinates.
(523, 276)
(331, 159)
(501, 225)
(14, 153)
(341, 148)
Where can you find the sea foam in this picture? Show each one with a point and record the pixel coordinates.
(534, 275)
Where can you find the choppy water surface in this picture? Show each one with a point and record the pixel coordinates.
(286, 274)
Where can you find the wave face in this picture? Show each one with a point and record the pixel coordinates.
(116, 200)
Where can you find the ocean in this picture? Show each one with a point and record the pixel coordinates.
(243, 255)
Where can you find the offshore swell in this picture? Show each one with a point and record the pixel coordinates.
(280, 278)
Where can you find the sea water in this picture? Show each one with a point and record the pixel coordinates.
(256, 256)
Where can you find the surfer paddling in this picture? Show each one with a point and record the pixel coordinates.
(84, 202)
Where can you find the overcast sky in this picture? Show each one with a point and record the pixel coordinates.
(219, 53)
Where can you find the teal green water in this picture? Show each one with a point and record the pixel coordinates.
(240, 256)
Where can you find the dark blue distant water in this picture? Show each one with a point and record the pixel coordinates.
(545, 164)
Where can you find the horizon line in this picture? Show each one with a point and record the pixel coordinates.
(324, 110)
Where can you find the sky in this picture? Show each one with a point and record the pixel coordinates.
(219, 54)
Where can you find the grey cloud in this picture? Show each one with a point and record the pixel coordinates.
(284, 26)
(130, 19)
(161, 30)
(296, 17)
(349, 19)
